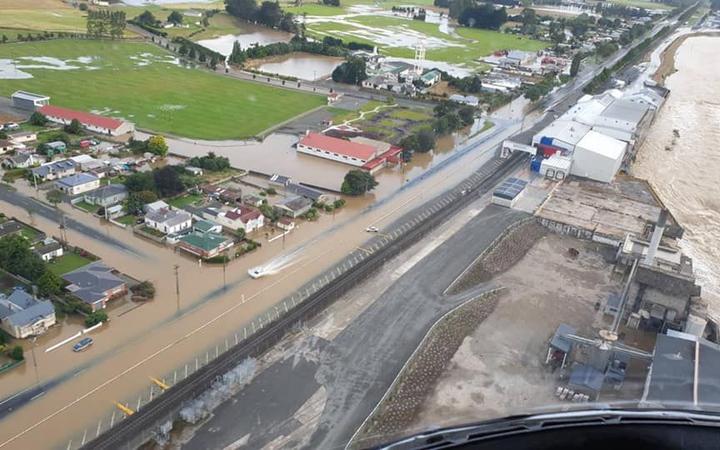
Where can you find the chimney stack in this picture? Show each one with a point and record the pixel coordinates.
(656, 236)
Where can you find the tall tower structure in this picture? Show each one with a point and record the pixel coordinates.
(419, 57)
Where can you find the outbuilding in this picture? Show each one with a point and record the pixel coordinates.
(78, 183)
(28, 100)
(598, 157)
(91, 122)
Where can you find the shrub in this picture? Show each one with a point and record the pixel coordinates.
(17, 353)
(95, 318)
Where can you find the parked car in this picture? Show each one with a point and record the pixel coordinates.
(10, 126)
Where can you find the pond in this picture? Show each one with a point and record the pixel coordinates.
(304, 66)
(253, 35)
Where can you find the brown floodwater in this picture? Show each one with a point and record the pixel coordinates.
(685, 170)
(304, 66)
(253, 35)
(276, 154)
(153, 339)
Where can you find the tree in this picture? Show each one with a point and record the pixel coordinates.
(467, 114)
(157, 146)
(352, 71)
(54, 196)
(146, 18)
(425, 140)
(144, 289)
(17, 353)
(168, 182)
(95, 318)
(458, 6)
(74, 127)
(483, 16)
(210, 162)
(136, 200)
(358, 182)
(38, 119)
(49, 284)
(270, 14)
(240, 233)
(83, 6)
(331, 2)
(175, 18)
(575, 65)
(245, 9)
(140, 181)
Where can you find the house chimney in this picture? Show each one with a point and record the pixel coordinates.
(656, 236)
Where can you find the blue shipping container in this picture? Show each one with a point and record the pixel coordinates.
(546, 140)
(535, 164)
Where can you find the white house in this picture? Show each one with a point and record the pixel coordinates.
(78, 183)
(22, 137)
(54, 170)
(21, 160)
(241, 217)
(155, 207)
(91, 122)
(49, 249)
(23, 315)
(168, 220)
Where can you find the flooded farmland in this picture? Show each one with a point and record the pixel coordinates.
(253, 35)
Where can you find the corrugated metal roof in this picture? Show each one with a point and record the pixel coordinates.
(339, 146)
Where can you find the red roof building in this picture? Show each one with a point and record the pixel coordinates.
(352, 153)
(92, 122)
(243, 217)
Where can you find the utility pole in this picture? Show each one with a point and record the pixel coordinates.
(32, 349)
(177, 286)
(224, 266)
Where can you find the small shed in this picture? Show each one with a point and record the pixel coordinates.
(560, 346)
(509, 192)
(28, 100)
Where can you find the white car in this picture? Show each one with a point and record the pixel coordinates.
(255, 272)
(371, 229)
(11, 126)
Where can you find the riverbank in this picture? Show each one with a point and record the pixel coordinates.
(667, 58)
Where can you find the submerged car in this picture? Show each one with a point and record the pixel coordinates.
(371, 229)
(83, 344)
(255, 272)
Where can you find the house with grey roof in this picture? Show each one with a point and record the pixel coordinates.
(304, 191)
(20, 160)
(95, 284)
(10, 227)
(49, 249)
(78, 183)
(54, 170)
(168, 220)
(22, 315)
(294, 206)
(106, 196)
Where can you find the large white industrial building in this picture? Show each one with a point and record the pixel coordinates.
(598, 157)
(596, 134)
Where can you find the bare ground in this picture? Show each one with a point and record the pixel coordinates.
(498, 370)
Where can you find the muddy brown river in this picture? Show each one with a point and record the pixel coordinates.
(685, 170)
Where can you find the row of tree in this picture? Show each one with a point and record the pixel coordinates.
(352, 71)
(155, 145)
(268, 13)
(449, 117)
(329, 47)
(210, 162)
(484, 16)
(105, 24)
(196, 52)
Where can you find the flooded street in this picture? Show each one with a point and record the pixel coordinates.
(253, 35)
(685, 173)
(300, 65)
(156, 338)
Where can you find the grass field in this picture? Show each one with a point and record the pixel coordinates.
(184, 200)
(466, 46)
(92, 209)
(67, 263)
(158, 96)
(642, 4)
(40, 15)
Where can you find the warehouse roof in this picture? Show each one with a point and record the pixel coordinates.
(626, 110)
(602, 144)
(568, 131)
(29, 96)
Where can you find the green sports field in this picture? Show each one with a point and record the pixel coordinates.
(141, 83)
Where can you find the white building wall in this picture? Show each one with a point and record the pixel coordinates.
(593, 165)
(79, 189)
(330, 155)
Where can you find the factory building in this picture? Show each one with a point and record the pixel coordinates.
(598, 157)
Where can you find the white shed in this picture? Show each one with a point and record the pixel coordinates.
(556, 167)
(598, 157)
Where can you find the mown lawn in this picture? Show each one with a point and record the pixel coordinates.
(67, 263)
(41, 15)
(141, 83)
(642, 4)
(184, 200)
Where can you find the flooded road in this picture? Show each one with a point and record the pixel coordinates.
(155, 338)
(253, 35)
(685, 173)
(304, 66)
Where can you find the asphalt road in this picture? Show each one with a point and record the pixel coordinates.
(357, 366)
(41, 209)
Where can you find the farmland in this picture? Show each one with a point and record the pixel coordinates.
(146, 85)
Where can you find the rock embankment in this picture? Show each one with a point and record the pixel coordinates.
(507, 250)
(401, 404)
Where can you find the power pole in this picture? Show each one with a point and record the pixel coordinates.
(224, 266)
(32, 349)
(177, 286)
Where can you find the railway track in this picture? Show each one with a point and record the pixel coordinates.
(400, 235)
